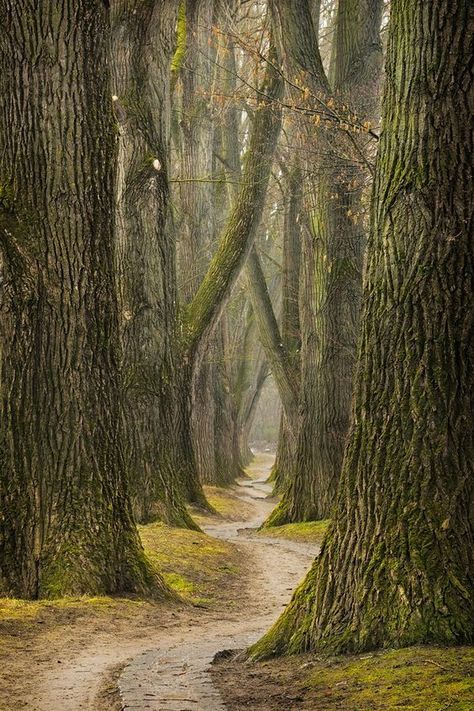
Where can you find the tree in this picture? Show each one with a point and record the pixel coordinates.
(396, 568)
(334, 236)
(142, 44)
(164, 339)
(65, 525)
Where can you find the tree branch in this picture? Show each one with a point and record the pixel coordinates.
(204, 311)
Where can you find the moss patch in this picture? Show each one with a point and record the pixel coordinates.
(307, 532)
(413, 679)
(194, 564)
(225, 503)
(12, 609)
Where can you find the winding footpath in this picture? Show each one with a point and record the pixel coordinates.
(168, 670)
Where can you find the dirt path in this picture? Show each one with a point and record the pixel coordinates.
(164, 662)
(174, 677)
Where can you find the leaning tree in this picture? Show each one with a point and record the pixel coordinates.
(397, 565)
(65, 519)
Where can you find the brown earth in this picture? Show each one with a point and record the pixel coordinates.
(109, 654)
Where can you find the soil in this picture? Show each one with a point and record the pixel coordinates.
(153, 656)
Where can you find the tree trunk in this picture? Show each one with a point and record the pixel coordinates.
(397, 566)
(333, 252)
(290, 321)
(66, 526)
(143, 37)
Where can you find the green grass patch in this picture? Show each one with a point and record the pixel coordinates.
(414, 679)
(307, 531)
(12, 609)
(225, 502)
(194, 564)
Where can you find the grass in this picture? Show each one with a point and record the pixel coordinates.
(13, 609)
(260, 465)
(306, 532)
(414, 679)
(194, 564)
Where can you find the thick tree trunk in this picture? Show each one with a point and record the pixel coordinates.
(181, 447)
(397, 566)
(197, 142)
(66, 526)
(143, 38)
(283, 466)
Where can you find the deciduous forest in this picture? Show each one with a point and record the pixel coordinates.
(236, 355)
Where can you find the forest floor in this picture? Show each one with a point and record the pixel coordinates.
(110, 654)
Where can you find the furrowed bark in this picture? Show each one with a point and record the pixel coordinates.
(396, 568)
(142, 43)
(333, 246)
(65, 526)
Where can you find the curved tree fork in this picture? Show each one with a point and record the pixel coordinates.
(65, 522)
(397, 566)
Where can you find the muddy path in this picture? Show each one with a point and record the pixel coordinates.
(163, 665)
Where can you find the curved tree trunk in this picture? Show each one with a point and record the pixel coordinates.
(397, 565)
(66, 526)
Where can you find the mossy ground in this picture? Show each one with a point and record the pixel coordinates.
(306, 532)
(414, 679)
(195, 565)
(260, 466)
(225, 503)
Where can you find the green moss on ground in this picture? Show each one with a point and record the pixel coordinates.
(194, 564)
(25, 616)
(413, 679)
(225, 503)
(307, 531)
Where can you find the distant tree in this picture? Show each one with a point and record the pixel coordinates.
(65, 519)
(397, 565)
(333, 235)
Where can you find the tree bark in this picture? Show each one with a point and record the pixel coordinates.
(333, 247)
(396, 568)
(142, 43)
(66, 526)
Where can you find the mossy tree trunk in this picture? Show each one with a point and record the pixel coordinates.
(204, 207)
(66, 526)
(333, 244)
(396, 568)
(142, 43)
